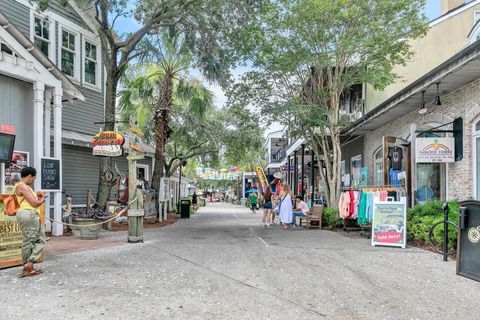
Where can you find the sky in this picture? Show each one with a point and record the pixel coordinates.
(432, 11)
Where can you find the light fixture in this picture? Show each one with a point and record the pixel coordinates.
(437, 101)
(423, 109)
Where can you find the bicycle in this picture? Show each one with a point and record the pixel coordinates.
(439, 227)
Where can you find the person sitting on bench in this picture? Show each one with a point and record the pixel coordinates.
(301, 209)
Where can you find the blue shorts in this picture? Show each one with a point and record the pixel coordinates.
(267, 205)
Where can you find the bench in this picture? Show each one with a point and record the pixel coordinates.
(314, 214)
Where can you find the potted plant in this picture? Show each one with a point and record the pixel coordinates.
(87, 222)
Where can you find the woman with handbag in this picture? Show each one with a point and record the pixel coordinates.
(286, 207)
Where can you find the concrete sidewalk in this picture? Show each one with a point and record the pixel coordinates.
(221, 264)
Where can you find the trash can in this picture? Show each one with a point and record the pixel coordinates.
(185, 208)
(468, 243)
(243, 202)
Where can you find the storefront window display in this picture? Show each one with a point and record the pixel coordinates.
(430, 179)
(355, 167)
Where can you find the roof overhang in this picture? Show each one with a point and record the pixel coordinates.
(456, 72)
(70, 91)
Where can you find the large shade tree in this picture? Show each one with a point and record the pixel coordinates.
(307, 53)
(204, 24)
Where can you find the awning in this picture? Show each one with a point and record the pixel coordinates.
(456, 72)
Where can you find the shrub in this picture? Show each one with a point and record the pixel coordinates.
(332, 218)
(422, 217)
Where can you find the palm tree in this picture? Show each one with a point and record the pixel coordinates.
(163, 99)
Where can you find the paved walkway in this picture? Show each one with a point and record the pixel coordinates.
(221, 264)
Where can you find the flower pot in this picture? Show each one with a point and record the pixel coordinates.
(88, 232)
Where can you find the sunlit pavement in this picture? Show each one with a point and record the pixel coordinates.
(222, 264)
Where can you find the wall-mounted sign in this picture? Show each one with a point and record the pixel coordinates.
(389, 223)
(50, 172)
(430, 150)
(7, 129)
(108, 144)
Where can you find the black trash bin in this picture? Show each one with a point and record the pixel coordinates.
(185, 208)
(468, 251)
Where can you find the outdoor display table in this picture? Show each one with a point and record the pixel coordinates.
(11, 237)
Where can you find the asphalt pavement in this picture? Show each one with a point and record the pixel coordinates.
(222, 264)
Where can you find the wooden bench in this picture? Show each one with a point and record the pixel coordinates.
(314, 214)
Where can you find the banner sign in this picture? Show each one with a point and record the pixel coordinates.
(261, 176)
(20, 160)
(108, 144)
(50, 172)
(11, 237)
(286, 168)
(389, 224)
(430, 150)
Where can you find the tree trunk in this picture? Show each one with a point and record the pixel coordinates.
(162, 130)
(105, 186)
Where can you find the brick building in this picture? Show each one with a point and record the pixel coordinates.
(399, 121)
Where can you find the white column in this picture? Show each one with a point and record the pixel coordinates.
(57, 229)
(46, 148)
(38, 103)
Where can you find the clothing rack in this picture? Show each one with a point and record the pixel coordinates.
(376, 186)
(366, 229)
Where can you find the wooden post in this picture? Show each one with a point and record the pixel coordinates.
(135, 212)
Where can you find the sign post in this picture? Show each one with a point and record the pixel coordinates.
(389, 224)
(136, 211)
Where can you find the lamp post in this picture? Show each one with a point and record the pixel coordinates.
(183, 164)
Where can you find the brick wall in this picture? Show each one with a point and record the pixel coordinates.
(464, 103)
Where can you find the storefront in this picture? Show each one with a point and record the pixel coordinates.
(430, 148)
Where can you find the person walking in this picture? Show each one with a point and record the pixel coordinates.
(28, 216)
(267, 208)
(195, 201)
(286, 208)
(253, 201)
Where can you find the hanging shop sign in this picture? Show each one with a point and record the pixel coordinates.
(50, 171)
(108, 144)
(261, 176)
(433, 150)
(7, 129)
(389, 223)
(20, 160)
(287, 168)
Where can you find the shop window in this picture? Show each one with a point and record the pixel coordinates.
(476, 153)
(68, 53)
(378, 167)
(90, 75)
(430, 177)
(355, 167)
(42, 35)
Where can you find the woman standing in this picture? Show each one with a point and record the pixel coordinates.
(267, 208)
(286, 208)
